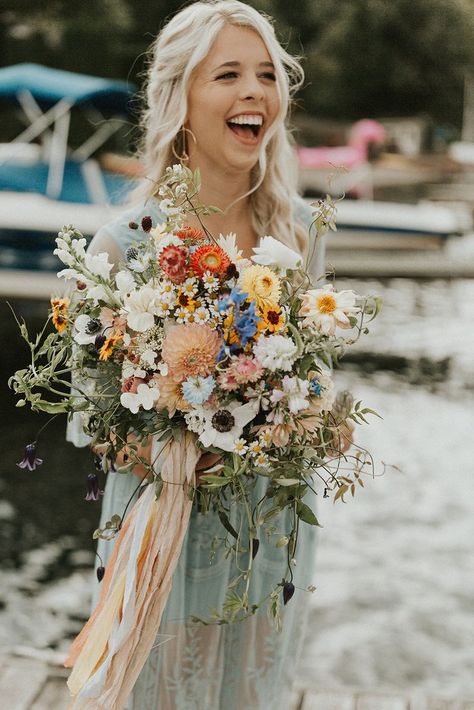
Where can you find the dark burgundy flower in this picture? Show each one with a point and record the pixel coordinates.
(100, 571)
(147, 223)
(93, 490)
(30, 459)
(231, 271)
(255, 546)
(288, 591)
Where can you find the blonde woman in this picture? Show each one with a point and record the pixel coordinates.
(218, 94)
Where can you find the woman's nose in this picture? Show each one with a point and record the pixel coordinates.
(251, 88)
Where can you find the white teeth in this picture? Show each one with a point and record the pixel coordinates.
(247, 119)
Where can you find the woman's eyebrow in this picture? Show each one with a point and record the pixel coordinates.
(237, 64)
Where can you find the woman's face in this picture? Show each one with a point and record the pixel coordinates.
(232, 102)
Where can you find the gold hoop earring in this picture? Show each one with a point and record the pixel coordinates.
(180, 152)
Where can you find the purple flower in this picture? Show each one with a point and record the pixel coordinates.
(93, 490)
(30, 460)
(100, 571)
(288, 591)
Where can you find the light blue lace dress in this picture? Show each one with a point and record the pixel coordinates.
(241, 666)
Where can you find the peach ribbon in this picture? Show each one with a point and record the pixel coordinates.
(111, 649)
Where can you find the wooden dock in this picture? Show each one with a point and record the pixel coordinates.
(37, 681)
(32, 683)
(354, 699)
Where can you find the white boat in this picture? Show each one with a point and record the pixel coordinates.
(365, 224)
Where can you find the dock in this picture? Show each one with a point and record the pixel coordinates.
(37, 681)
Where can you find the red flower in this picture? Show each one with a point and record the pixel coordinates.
(191, 234)
(209, 258)
(173, 262)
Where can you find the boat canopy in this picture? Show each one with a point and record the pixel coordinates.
(47, 97)
(48, 86)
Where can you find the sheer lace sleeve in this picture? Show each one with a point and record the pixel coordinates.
(317, 247)
(102, 242)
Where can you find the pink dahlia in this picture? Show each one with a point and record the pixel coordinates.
(173, 262)
(190, 350)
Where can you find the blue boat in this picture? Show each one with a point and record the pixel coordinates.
(44, 183)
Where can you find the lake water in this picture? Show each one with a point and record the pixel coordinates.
(394, 570)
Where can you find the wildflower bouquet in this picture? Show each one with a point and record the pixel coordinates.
(197, 349)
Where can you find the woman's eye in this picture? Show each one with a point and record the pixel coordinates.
(269, 75)
(228, 75)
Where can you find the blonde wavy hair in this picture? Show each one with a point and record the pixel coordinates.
(178, 49)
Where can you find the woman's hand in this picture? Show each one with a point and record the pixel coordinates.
(125, 456)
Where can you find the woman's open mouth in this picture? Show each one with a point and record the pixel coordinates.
(246, 127)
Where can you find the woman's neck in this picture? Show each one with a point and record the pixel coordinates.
(222, 191)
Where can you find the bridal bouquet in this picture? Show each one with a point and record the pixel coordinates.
(197, 349)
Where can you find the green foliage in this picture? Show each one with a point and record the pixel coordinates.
(362, 57)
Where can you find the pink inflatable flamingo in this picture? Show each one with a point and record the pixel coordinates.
(362, 135)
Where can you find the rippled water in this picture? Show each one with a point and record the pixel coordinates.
(394, 569)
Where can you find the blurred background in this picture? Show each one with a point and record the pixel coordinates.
(386, 117)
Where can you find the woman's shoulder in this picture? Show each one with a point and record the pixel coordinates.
(303, 212)
(118, 234)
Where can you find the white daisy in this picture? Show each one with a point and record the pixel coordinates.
(190, 286)
(262, 460)
(255, 448)
(210, 282)
(240, 447)
(265, 439)
(181, 315)
(201, 315)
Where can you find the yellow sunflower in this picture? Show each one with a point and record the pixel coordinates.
(106, 350)
(59, 315)
(273, 318)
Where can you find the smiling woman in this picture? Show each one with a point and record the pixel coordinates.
(232, 104)
(218, 95)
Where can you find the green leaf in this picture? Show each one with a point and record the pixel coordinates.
(223, 517)
(305, 514)
(50, 407)
(215, 481)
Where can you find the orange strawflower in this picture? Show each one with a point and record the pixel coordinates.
(59, 316)
(191, 234)
(209, 258)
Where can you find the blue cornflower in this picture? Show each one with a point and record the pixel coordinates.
(246, 327)
(197, 390)
(235, 298)
(315, 386)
